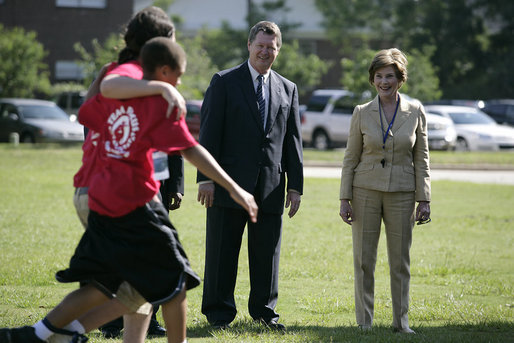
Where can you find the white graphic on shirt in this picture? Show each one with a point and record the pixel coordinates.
(122, 125)
(94, 137)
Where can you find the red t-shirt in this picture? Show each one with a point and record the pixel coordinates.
(90, 161)
(130, 130)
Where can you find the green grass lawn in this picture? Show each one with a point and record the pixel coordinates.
(462, 159)
(462, 287)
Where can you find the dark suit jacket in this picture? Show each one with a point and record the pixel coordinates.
(232, 132)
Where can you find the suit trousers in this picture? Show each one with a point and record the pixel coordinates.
(396, 209)
(225, 227)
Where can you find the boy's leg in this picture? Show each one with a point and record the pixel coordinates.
(174, 314)
(102, 314)
(80, 201)
(136, 326)
(69, 309)
(75, 305)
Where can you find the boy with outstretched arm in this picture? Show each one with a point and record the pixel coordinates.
(129, 238)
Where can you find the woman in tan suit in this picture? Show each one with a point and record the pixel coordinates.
(385, 172)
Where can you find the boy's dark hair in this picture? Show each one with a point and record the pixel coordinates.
(148, 23)
(160, 51)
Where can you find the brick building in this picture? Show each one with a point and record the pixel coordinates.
(59, 24)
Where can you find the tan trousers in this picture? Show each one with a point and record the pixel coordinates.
(396, 209)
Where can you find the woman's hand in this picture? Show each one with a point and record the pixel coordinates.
(423, 211)
(346, 211)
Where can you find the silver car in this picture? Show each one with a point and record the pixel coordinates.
(475, 129)
(326, 120)
(441, 133)
(33, 121)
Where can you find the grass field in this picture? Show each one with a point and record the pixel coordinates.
(500, 159)
(462, 287)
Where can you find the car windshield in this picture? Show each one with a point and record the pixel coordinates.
(317, 103)
(471, 118)
(43, 112)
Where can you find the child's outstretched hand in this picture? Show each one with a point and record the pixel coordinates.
(176, 102)
(246, 200)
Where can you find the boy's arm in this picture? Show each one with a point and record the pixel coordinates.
(202, 160)
(124, 87)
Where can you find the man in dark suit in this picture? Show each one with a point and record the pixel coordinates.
(251, 125)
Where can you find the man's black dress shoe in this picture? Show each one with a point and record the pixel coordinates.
(220, 325)
(272, 324)
(155, 329)
(111, 331)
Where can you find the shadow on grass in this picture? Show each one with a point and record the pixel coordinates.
(487, 332)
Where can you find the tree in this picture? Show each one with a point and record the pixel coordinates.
(228, 46)
(304, 70)
(22, 70)
(225, 46)
(355, 25)
(422, 82)
(194, 82)
(458, 33)
(355, 72)
(164, 4)
(471, 41)
(265, 10)
(199, 69)
(102, 54)
(500, 49)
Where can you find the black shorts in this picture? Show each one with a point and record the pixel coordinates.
(141, 248)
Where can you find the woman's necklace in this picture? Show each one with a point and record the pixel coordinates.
(386, 133)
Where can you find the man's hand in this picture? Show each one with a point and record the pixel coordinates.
(293, 199)
(206, 194)
(175, 201)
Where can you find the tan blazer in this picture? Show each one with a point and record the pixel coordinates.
(406, 157)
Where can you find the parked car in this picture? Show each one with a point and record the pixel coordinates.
(441, 133)
(37, 121)
(326, 121)
(70, 102)
(475, 129)
(457, 102)
(502, 111)
(193, 116)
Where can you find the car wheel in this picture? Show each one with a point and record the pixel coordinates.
(27, 138)
(462, 145)
(320, 140)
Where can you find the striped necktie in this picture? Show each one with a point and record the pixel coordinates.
(260, 99)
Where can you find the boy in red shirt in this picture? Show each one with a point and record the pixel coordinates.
(129, 237)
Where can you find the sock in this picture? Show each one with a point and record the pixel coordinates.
(75, 326)
(42, 331)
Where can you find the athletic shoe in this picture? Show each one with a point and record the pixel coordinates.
(24, 334)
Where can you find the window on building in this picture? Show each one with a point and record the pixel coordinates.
(68, 70)
(81, 3)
